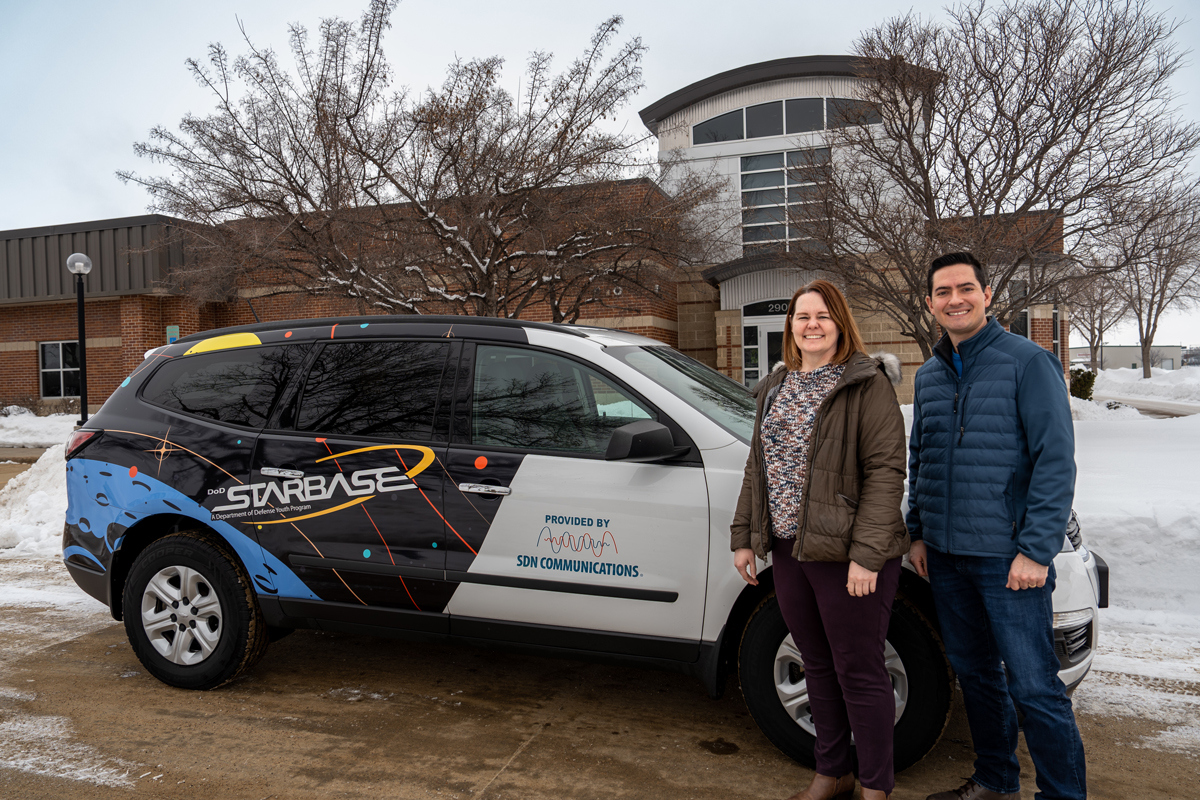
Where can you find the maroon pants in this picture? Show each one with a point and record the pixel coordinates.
(841, 640)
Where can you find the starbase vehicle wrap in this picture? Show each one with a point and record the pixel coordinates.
(548, 487)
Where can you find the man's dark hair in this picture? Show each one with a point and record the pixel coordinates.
(949, 260)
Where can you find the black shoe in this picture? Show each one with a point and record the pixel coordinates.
(973, 791)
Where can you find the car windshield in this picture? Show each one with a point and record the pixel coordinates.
(724, 401)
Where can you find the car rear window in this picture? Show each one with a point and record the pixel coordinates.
(382, 388)
(236, 387)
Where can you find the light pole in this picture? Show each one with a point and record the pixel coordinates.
(79, 265)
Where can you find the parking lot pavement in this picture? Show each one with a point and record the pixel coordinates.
(333, 715)
(15, 460)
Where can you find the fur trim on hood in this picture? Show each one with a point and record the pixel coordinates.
(890, 365)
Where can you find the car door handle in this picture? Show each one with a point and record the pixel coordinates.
(483, 488)
(278, 472)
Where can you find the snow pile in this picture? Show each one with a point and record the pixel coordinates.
(1137, 502)
(1138, 508)
(20, 427)
(32, 507)
(1181, 385)
(1091, 410)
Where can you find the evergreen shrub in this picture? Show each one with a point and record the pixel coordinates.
(1082, 381)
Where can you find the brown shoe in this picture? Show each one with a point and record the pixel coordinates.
(824, 787)
(874, 794)
(973, 791)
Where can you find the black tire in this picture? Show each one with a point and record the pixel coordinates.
(191, 614)
(769, 668)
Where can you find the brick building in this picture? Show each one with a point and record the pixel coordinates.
(750, 125)
(129, 310)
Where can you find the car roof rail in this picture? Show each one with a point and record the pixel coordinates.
(392, 319)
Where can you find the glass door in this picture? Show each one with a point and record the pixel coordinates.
(762, 345)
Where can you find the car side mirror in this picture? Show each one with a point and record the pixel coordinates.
(644, 440)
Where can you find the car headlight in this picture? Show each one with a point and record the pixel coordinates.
(1072, 619)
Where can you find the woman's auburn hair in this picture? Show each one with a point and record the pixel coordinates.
(849, 339)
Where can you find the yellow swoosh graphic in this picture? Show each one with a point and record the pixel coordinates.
(418, 468)
(353, 502)
(224, 343)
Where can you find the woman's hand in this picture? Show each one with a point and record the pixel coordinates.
(743, 559)
(860, 581)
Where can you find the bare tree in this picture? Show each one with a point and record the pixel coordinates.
(462, 199)
(1160, 242)
(1006, 131)
(1097, 306)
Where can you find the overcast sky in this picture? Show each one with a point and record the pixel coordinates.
(82, 81)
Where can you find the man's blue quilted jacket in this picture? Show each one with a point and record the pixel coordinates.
(992, 454)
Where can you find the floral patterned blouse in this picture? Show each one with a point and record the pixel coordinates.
(786, 435)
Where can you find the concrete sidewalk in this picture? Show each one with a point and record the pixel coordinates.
(21, 455)
(24, 458)
(1157, 405)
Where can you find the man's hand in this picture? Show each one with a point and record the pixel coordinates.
(1025, 573)
(743, 559)
(918, 558)
(860, 581)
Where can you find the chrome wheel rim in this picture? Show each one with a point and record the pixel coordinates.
(792, 688)
(181, 615)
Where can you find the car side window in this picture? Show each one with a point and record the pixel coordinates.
(386, 389)
(540, 401)
(237, 386)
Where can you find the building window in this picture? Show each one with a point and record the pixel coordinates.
(60, 369)
(764, 120)
(725, 128)
(805, 114)
(842, 113)
(801, 115)
(776, 187)
(1057, 336)
(1018, 291)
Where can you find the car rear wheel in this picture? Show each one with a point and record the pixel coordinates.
(191, 614)
(772, 677)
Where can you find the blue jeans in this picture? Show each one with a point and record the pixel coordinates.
(983, 624)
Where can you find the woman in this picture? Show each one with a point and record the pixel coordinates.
(822, 494)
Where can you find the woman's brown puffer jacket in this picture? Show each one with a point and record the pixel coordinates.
(850, 508)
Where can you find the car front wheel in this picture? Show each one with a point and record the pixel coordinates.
(771, 670)
(190, 613)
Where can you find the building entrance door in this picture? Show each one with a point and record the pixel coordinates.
(762, 340)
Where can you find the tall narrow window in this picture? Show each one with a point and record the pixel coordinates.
(1057, 334)
(59, 369)
(775, 189)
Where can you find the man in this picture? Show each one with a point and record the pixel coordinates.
(991, 479)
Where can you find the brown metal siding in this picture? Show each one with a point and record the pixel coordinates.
(33, 260)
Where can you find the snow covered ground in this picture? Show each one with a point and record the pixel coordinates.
(1136, 496)
(20, 427)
